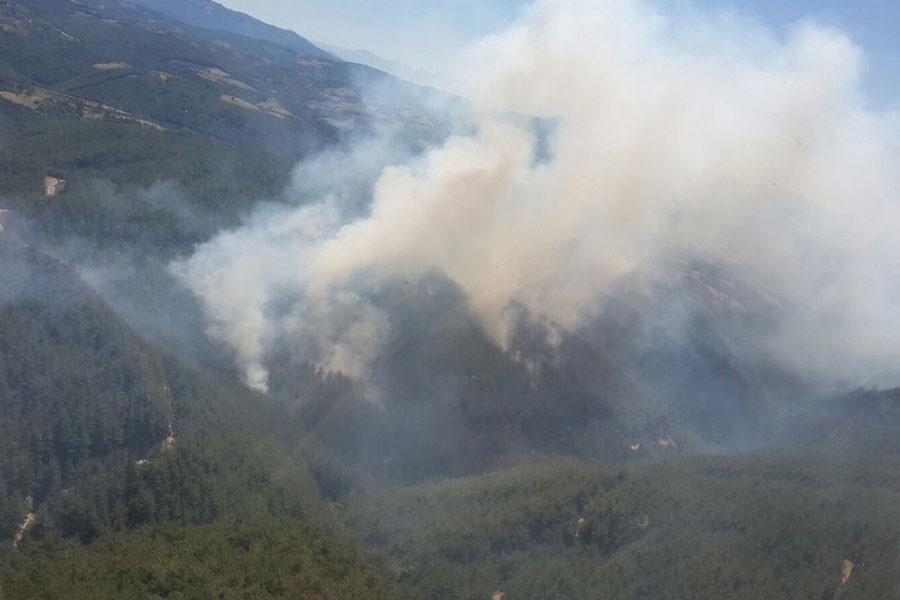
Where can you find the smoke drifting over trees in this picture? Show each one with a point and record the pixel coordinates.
(677, 141)
(632, 292)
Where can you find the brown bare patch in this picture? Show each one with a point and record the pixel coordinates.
(111, 66)
(222, 78)
(240, 102)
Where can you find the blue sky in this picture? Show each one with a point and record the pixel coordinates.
(873, 24)
(410, 30)
(423, 34)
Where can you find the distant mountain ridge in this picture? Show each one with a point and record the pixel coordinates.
(212, 15)
(396, 68)
(142, 65)
(208, 14)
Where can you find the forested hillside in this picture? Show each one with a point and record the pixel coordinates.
(774, 524)
(101, 431)
(234, 560)
(120, 61)
(631, 458)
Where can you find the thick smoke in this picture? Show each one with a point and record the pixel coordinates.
(701, 137)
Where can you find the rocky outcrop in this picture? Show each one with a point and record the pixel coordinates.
(111, 66)
(27, 524)
(54, 186)
(169, 442)
(846, 571)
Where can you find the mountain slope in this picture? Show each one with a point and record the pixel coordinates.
(129, 470)
(101, 431)
(394, 67)
(217, 84)
(443, 399)
(212, 15)
(767, 525)
(233, 560)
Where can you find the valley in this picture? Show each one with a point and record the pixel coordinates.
(276, 325)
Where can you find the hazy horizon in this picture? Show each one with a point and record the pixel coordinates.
(428, 37)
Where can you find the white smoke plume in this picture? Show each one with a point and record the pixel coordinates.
(702, 135)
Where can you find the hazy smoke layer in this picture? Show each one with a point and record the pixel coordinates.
(697, 137)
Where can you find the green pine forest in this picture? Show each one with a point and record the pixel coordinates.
(134, 463)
